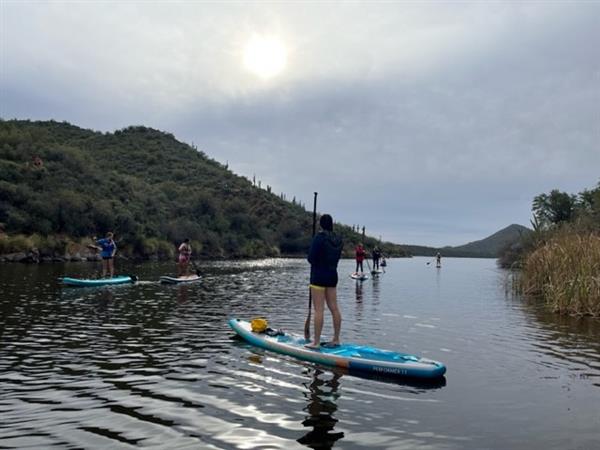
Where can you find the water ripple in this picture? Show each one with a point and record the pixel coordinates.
(156, 366)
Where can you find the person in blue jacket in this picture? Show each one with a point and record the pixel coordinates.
(323, 256)
(109, 248)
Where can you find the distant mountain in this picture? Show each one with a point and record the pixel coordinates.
(490, 247)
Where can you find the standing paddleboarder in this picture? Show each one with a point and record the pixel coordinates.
(323, 256)
(360, 255)
(109, 248)
(376, 256)
(185, 254)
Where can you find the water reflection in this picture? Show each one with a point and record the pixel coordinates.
(182, 294)
(358, 291)
(322, 396)
(564, 341)
(376, 291)
(157, 365)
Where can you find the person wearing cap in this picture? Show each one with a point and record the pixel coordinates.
(323, 256)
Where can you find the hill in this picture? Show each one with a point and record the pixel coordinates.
(62, 184)
(490, 247)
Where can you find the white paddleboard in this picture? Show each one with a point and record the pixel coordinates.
(359, 276)
(176, 280)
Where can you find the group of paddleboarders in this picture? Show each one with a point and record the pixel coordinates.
(360, 254)
(108, 249)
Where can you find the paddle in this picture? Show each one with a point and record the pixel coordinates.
(196, 269)
(314, 229)
(366, 256)
(369, 266)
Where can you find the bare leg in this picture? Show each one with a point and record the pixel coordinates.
(318, 298)
(331, 298)
(111, 267)
(104, 267)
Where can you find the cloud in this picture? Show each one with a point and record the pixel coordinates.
(435, 123)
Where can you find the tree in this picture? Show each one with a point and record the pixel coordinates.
(553, 208)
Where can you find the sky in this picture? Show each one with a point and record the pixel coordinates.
(431, 123)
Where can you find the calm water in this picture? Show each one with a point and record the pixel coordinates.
(152, 365)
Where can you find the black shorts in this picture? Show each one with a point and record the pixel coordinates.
(106, 258)
(324, 279)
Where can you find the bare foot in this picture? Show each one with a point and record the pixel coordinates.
(313, 346)
(331, 344)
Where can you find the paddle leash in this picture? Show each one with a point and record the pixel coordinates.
(314, 230)
(196, 269)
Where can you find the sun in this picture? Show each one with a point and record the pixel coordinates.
(265, 56)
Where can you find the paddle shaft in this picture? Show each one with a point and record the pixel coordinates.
(314, 230)
(366, 256)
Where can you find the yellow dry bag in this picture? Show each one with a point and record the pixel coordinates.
(259, 325)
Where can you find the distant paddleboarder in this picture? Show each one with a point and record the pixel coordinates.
(360, 255)
(109, 248)
(185, 254)
(376, 257)
(438, 260)
(323, 256)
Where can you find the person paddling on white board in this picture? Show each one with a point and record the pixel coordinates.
(438, 260)
(183, 262)
(360, 255)
(376, 257)
(109, 248)
(323, 256)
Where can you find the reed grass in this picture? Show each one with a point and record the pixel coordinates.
(565, 272)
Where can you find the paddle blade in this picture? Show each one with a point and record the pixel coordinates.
(307, 322)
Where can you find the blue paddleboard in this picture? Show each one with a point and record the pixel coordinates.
(350, 356)
(87, 282)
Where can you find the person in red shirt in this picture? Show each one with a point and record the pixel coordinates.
(360, 256)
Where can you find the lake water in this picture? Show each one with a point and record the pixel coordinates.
(154, 365)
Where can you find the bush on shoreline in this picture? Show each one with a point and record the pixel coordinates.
(560, 260)
(565, 272)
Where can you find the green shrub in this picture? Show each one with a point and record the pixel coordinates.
(16, 243)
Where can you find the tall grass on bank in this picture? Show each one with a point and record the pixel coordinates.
(565, 273)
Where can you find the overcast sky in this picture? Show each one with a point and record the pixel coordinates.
(431, 123)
